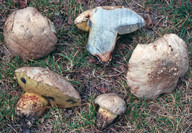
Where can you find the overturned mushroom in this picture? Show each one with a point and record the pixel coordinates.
(104, 24)
(42, 86)
(29, 34)
(110, 106)
(155, 68)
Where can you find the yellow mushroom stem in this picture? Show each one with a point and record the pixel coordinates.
(83, 26)
(104, 118)
(30, 107)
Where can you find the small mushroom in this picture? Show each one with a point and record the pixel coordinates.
(48, 84)
(29, 34)
(30, 107)
(155, 68)
(110, 106)
(104, 24)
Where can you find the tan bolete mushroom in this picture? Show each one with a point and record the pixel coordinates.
(29, 34)
(48, 84)
(110, 106)
(42, 86)
(155, 68)
(104, 24)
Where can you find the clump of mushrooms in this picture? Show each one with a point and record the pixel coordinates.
(43, 86)
(29, 34)
(104, 24)
(110, 106)
(155, 68)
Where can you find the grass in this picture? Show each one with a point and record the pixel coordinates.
(168, 113)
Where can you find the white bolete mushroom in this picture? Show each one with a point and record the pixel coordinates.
(155, 68)
(110, 106)
(42, 86)
(104, 24)
(29, 34)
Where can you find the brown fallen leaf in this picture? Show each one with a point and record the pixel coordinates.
(149, 22)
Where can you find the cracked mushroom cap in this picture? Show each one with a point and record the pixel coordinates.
(155, 68)
(104, 24)
(48, 84)
(29, 34)
(111, 102)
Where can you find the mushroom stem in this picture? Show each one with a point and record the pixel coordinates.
(29, 108)
(104, 118)
(83, 26)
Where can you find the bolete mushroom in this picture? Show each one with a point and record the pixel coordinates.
(29, 34)
(155, 68)
(110, 106)
(42, 86)
(104, 24)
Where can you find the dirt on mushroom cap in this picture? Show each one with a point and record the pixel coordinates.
(48, 84)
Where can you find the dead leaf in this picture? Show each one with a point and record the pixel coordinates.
(149, 22)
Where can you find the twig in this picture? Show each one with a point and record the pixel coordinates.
(149, 22)
(12, 128)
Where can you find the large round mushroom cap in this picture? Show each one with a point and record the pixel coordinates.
(111, 102)
(155, 68)
(48, 84)
(29, 34)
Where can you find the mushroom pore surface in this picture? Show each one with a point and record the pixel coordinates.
(105, 23)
